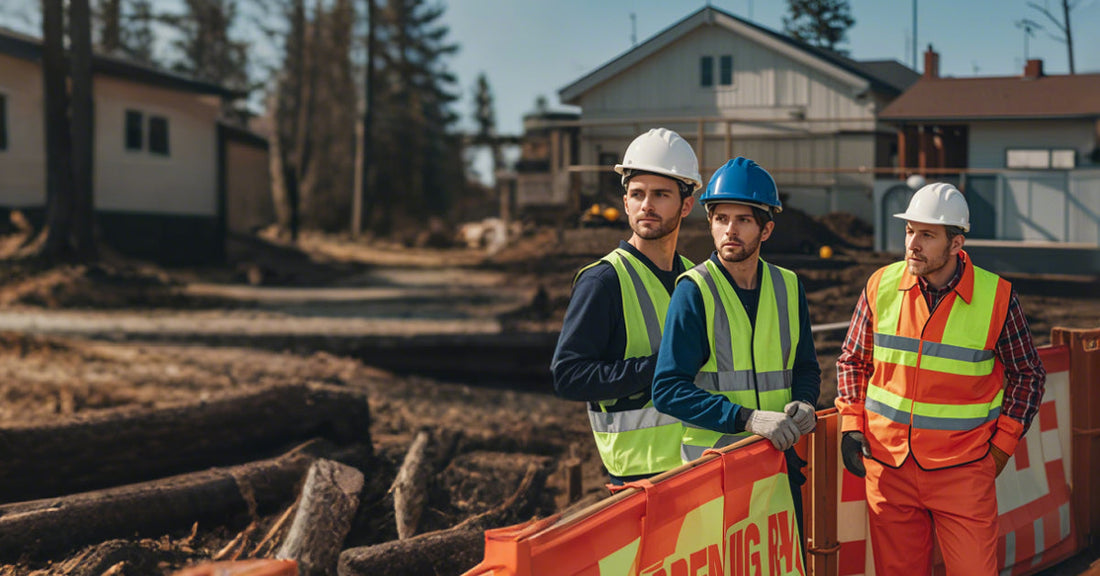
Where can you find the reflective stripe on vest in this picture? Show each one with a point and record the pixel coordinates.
(751, 366)
(638, 440)
(937, 387)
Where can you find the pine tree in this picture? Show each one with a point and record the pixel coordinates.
(485, 117)
(208, 52)
(418, 154)
(821, 23)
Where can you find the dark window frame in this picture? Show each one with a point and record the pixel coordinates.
(3, 122)
(706, 71)
(725, 70)
(158, 144)
(133, 135)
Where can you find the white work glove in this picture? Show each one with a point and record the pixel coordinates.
(775, 426)
(803, 415)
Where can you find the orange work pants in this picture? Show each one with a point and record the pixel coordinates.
(905, 504)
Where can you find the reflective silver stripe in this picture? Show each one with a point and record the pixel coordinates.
(952, 352)
(689, 453)
(772, 381)
(886, 411)
(902, 343)
(723, 348)
(959, 424)
(735, 381)
(628, 420)
(780, 288)
(649, 311)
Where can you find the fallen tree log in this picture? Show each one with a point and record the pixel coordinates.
(43, 527)
(326, 508)
(127, 445)
(450, 551)
(411, 485)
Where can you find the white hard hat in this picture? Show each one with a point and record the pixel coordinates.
(915, 182)
(662, 151)
(938, 203)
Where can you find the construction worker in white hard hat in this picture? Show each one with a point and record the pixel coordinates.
(608, 345)
(738, 355)
(938, 380)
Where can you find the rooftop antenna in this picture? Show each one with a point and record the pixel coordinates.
(1029, 27)
(633, 30)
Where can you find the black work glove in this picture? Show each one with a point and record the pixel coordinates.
(853, 449)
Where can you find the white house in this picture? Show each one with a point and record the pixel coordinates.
(164, 167)
(1024, 149)
(734, 88)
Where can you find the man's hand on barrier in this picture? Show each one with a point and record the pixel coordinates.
(853, 449)
(999, 457)
(775, 426)
(803, 415)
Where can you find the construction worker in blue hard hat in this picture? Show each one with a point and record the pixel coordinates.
(611, 331)
(737, 357)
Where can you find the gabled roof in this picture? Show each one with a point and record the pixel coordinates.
(994, 98)
(29, 48)
(885, 76)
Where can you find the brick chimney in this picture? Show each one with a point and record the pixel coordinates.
(1034, 68)
(931, 63)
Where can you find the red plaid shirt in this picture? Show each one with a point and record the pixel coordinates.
(1025, 377)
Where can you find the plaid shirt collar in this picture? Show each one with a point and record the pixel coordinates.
(933, 296)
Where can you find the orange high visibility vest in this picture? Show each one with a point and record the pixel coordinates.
(937, 387)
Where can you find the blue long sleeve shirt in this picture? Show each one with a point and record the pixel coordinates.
(588, 362)
(685, 348)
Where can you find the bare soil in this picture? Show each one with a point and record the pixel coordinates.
(43, 378)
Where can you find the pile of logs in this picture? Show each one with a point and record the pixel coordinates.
(89, 484)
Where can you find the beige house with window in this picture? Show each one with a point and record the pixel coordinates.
(734, 88)
(170, 181)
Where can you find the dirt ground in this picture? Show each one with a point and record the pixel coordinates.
(46, 378)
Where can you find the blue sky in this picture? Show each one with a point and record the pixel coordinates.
(529, 48)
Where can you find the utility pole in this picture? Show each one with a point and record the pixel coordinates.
(914, 34)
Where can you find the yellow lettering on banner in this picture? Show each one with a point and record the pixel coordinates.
(771, 509)
(698, 547)
(743, 550)
(621, 561)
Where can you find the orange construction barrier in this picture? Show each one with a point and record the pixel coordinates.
(728, 512)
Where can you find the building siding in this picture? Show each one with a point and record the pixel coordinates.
(988, 140)
(22, 165)
(182, 183)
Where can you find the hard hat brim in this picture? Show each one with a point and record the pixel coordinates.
(908, 218)
(622, 169)
(760, 205)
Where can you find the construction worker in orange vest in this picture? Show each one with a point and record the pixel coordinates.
(937, 381)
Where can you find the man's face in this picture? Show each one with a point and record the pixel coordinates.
(736, 234)
(654, 207)
(927, 249)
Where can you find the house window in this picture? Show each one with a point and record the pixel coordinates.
(134, 130)
(1041, 159)
(725, 75)
(706, 71)
(158, 135)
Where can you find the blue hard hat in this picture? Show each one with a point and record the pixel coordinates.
(742, 181)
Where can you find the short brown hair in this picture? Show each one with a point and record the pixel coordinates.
(761, 215)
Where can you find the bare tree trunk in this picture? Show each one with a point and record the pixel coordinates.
(80, 36)
(326, 508)
(364, 197)
(59, 200)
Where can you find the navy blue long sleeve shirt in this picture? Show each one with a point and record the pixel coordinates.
(685, 348)
(588, 362)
